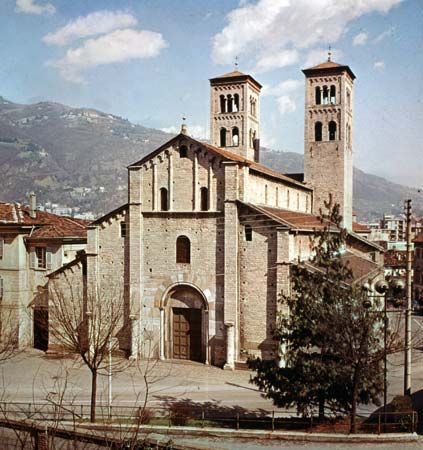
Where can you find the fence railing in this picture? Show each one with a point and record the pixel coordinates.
(186, 414)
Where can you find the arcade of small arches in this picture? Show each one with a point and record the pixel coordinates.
(332, 131)
(229, 103)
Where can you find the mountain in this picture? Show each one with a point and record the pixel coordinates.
(78, 157)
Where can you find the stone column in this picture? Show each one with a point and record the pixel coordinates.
(231, 268)
(154, 186)
(134, 337)
(162, 334)
(230, 346)
(195, 182)
(170, 184)
(210, 186)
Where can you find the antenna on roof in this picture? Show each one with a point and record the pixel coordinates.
(329, 53)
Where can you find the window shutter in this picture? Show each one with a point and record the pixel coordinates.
(33, 259)
(49, 258)
(1, 247)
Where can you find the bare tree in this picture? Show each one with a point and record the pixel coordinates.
(86, 321)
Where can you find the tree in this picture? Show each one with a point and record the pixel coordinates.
(86, 321)
(334, 342)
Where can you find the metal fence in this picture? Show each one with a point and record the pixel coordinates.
(188, 414)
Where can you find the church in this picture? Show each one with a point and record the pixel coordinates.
(203, 247)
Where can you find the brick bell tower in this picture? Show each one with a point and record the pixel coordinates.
(235, 114)
(328, 125)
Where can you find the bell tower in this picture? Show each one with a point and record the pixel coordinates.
(235, 114)
(328, 125)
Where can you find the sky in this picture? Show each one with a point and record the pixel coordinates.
(150, 61)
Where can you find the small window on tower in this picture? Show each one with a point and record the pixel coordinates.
(318, 131)
(332, 131)
(223, 137)
(325, 95)
(222, 104)
(183, 250)
(248, 233)
(230, 103)
(236, 103)
(204, 194)
(318, 93)
(183, 151)
(235, 136)
(333, 94)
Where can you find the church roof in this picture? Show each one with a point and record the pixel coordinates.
(235, 75)
(328, 66)
(227, 155)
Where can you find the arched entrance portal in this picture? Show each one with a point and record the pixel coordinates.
(184, 333)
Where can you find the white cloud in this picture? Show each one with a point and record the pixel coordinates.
(268, 27)
(384, 35)
(30, 7)
(276, 60)
(360, 38)
(282, 88)
(98, 22)
(115, 47)
(379, 65)
(195, 131)
(286, 104)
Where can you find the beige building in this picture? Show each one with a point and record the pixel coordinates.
(203, 248)
(32, 244)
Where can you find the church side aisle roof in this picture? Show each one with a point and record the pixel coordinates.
(227, 155)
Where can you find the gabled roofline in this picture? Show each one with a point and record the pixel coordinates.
(225, 155)
(80, 258)
(110, 214)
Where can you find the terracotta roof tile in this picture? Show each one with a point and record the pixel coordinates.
(360, 228)
(46, 225)
(329, 66)
(292, 219)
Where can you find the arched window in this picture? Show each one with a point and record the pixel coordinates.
(163, 199)
(183, 250)
(222, 104)
(223, 137)
(318, 127)
(318, 94)
(236, 102)
(349, 99)
(332, 131)
(204, 197)
(230, 103)
(333, 94)
(235, 136)
(183, 151)
(248, 233)
(325, 95)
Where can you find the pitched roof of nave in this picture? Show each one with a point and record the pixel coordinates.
(226, 155)
(329, 67)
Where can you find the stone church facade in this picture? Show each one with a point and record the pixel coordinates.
(203, 248)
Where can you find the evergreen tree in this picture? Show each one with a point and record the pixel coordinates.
(334, 341)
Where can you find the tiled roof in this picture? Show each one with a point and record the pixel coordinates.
(418, 239)
(329, 66)
(292, 219)
(361, 268)
(235, 75)
(396, 258)
(46, 225)
(360, 228)
(229, 156)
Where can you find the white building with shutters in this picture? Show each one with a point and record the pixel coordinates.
(32, 245)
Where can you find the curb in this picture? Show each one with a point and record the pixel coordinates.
(272, 435)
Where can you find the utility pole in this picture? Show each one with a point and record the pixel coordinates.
(407, 349)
